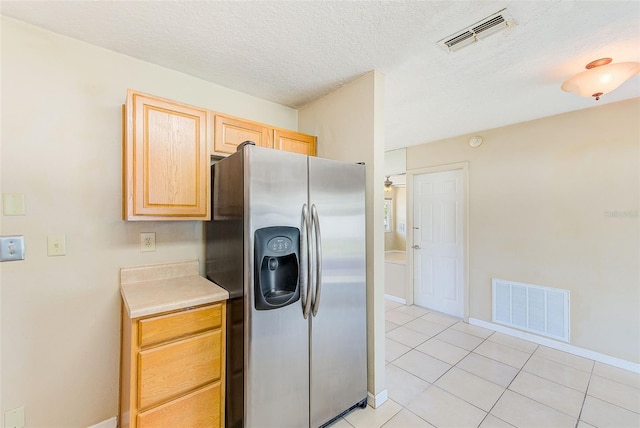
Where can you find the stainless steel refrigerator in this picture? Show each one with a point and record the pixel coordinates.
(287, 240)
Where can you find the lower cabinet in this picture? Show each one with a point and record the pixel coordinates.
(172, 369)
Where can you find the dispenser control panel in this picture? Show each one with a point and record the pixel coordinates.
(280, 244)
(277, 271)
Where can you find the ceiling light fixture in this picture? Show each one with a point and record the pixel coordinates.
(601, 77)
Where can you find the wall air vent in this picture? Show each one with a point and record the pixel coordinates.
(532, 308)
(490, 25)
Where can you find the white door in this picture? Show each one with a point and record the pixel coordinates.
(438, 251)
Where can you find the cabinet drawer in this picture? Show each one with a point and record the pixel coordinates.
(201, 408)
(167, 327)
(172, 370)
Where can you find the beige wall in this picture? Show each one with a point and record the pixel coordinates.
(397, 239)
(400, 206)
(349, 127)
(1, 264)
(61, 147)
(389, 237)
(542, 194)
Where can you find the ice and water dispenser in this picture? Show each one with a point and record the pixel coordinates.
(277, 254)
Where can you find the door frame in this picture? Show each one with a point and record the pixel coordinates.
(411, 173)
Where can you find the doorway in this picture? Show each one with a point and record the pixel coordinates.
(439, 239)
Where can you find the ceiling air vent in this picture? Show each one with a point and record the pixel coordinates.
(490, 25)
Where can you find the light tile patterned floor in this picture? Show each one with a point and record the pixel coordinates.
(442, 372)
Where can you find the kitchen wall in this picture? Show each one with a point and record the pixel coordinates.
(396, 240)
(61, 146)
(349, 124)
(400, 221)
(554, 202)
(1, 264)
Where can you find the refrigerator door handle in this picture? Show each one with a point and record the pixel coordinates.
(305, 263)
(318, 256)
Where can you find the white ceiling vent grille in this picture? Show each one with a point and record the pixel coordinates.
(490, 25)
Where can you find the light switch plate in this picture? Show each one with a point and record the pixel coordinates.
(13, 203)
(14, 418)
(11, 248)
(56, 245)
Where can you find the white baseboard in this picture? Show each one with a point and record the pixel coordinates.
(561, 346)
(376, 401)
(109, 423)
(395, 299)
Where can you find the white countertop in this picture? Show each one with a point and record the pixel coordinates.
(152, 289)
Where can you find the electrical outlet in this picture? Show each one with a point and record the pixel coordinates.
(14, 418)
(147, 242)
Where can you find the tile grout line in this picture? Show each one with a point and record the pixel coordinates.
(432, 384)
(449, 369)
(586, 392)
(606, 401)
(507, 388)
(549, 380)
(553, 381)
(591, 374)
(471, 351)
(520, 369)
(568, 364)
(489, 411)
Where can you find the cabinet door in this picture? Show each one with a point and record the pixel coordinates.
(231, 132)
(296, 142)
(166, 162)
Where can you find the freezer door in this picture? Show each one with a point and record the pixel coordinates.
(338, 330)
(277, 340)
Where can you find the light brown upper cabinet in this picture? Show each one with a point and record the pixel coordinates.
(166, 159)
(297, 142)
(232, 131)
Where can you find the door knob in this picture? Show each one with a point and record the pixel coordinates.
(416, 247)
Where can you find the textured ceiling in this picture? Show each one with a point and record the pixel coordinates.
(294, 52)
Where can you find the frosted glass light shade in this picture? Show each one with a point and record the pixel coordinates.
(601, 80)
